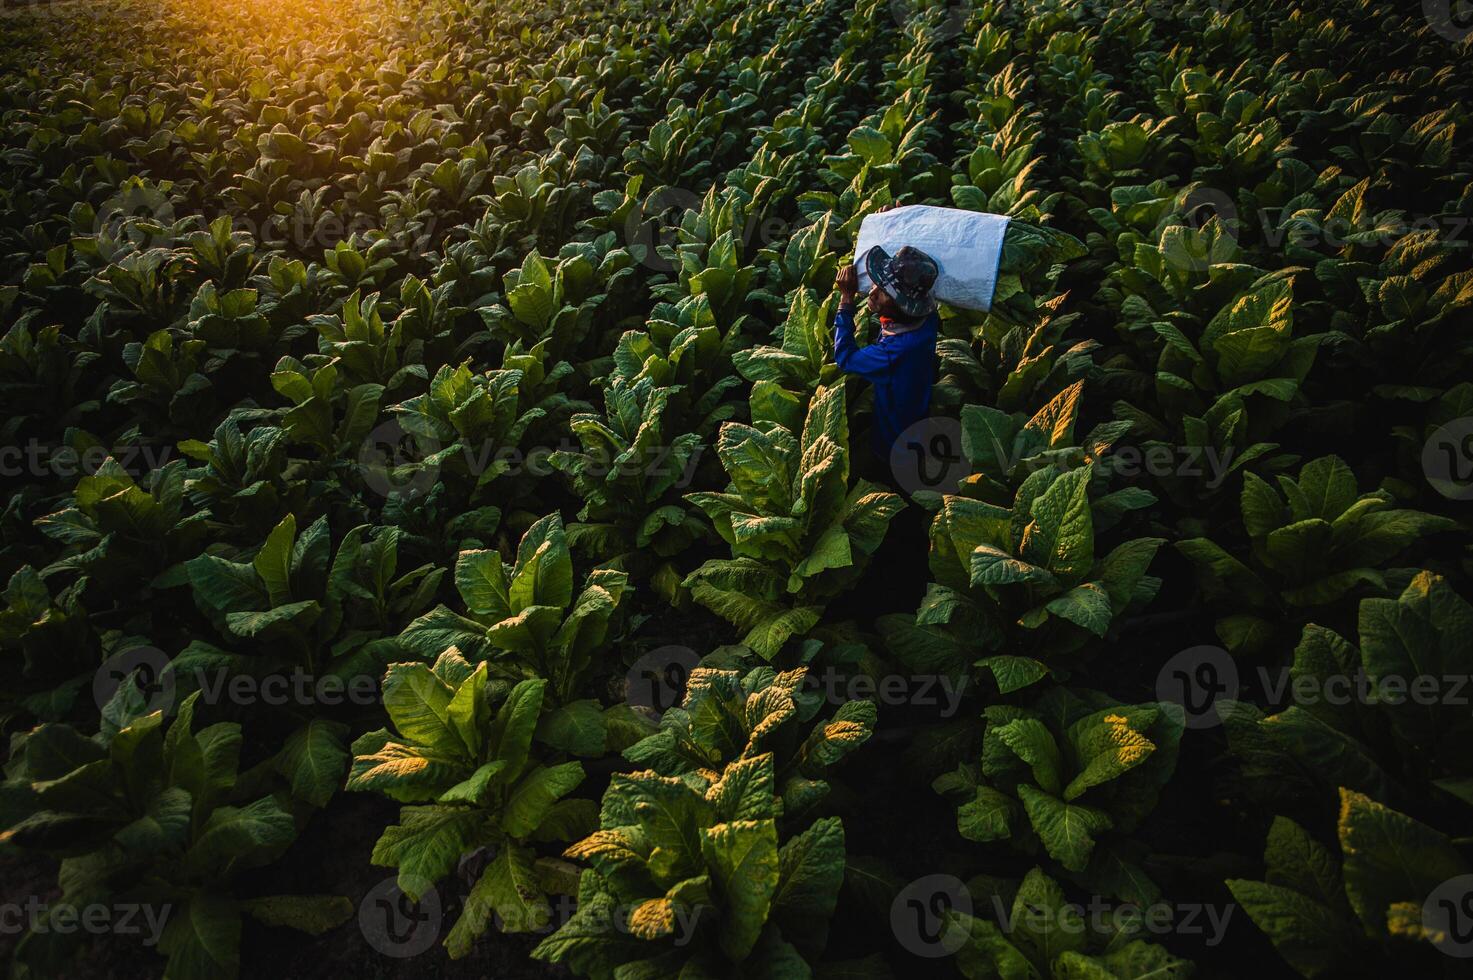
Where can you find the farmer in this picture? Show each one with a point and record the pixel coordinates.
(901, 364)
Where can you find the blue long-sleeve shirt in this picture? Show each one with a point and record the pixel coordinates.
(901, 366)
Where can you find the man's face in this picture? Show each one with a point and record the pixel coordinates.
(880, 304)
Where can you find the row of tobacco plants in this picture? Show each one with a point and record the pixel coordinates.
(446, 365)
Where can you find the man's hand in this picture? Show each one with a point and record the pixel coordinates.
(847, 283)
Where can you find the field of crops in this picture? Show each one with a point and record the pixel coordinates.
(440, 543)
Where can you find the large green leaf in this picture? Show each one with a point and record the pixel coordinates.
(1060, 536)
(1067, 830)
(1306, 933)
(543, 575)
(427, 843)
(1105, 746)
(743, 857)
(418, 702)
(810, 871)
(240, 837)
(202, 940)
(516, 723)
(480, 578)
(509, 889)
(534, 795)
(315, 759)
(1390, 858)
(1030, 740)
(273, 561)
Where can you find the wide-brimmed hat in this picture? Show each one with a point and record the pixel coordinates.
(906, 277)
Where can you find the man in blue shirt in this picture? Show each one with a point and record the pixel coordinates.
(901, 363)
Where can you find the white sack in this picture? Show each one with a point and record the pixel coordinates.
(966, 245)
